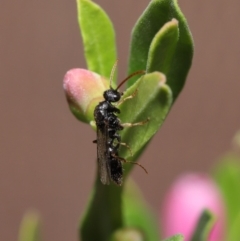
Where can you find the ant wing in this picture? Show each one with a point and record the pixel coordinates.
(102, 154)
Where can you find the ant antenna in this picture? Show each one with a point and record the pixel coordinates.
(130, 76)
(112, 73)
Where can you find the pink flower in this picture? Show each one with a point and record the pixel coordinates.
(84, 90)
(184, 203)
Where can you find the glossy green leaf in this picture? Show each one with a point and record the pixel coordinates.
(152, 100)
(137, 214)
(163, 47)
(204, 226)
(157, 14)
(98, 37)
(29, 229)
(227, 176)
(178, 237)
(233, 233)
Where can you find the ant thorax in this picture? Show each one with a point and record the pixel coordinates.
(105, 110)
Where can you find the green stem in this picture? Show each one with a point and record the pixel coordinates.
(104, 214)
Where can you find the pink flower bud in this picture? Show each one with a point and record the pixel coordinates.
(84, 90)
(184, 203)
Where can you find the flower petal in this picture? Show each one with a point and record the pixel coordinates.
(84, 90)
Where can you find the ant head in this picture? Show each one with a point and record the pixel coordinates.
(112, 95)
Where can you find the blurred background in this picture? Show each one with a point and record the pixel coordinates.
(47, 159)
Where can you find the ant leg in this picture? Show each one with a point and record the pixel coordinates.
(135, 124)
(95, 141)
(115, 144)
(125, 161)
(127, 146)
(127, 98)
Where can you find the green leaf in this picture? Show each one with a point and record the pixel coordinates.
(204, 226)
(227, 176)
(157, 14)
(163, 44)
(152, 100)
(98, 37)
(178, 237)
(234, 231)
(29, 229)
(137, 214)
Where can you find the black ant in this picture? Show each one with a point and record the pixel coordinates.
(108, 137)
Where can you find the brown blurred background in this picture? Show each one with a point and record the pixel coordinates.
(47, 159)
